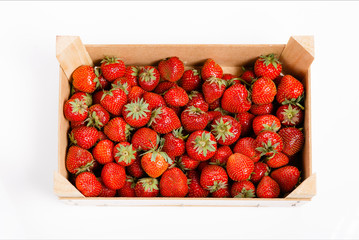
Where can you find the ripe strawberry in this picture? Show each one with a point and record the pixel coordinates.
(135, 169)
(266, 122)
(164, 120)
(293, 140)
(195, 189)
(262, 109)
(246, 120)
(131, 74)
(190, 80)
(79, 160)
(287, 178)
(260, 170)
(202, 165)
(194, 119)
(176, 97)
(173, 183)
(137, 113)
(214, 114)
(103, 151)
(216, 104)
(114, 100)
(174, 144)
(117, 130)
(248, 75)
(96, 97)
(211, 69)
(177, 110)
(213, 89)
(268, 188)
(125, 154)
(247, 146)
(222, 193)
(85, 97)
(128, 190)
(263, 91)
(290, 116)
(84, 137)
(154, 100)
(201, 145)
(135, 93)
(221, 156)
(113, 175)
(290, 90)
(75, 110)
(269, 143)
(102, 82)
(171, 69)
(213, 178)
(106, 192)
(148, 78)
(243, 189)
(122, 83)
(267, 66)
(98, 116)
(239, 167)
(155, 162)
(196, 99)
(88, 184)
(112, 68)
(101, 136)
(235, 99)
(147, 187)
(278, 160)
(226, 130)
(144, 139)
(187, 163)
(84, 79)
(77, 124)
(164, 86)
(228, 77)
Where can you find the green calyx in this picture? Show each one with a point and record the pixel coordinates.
(78, 106)
(192, 110)
(154, 115)
(294, 101)
(268, 148)
(204, 144)
(119, 85)
(72, 139)
(128, 130)
(85, 168)
(97, 80)
(135, 71)
(221, 129)
(156, 152)
(94, 121)
(269, 59)
(148, 75)
(125, 153)
(290, 115)
(245, 194)
(216, 186)
(233, 81)
(137, 109)
(149, 184)
(220, 82)
(221, 110)
(131, 180)
(273, 127)
(192, 94)
(178, 133)
(109, 60)
(109, 93)
(195, 72)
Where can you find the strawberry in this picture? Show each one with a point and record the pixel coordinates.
(222, 193)
(112, 68)
(260, 170)
(174, 144)
(101, 136)
(148, 78)
(194, 119)
(287, 178)
(114, 100)
(103, 151)
(79, 160)
(262, 109)
(235, 99)
(144, 139)
(128, 190)
(85, 97)
(176, 97)
(211, 69)
(226, 130)
(106, 192)
(201, 145)
(187, 163)
(154, 100)
(293, 140)
(84, 137)
(113, 175)
(221, 156)
(278, 160)
(84, 79)
(195, 190)
(245, 119)
(75, 110)
(269, 143)
(173, 183)
(122, 83)
(214, 114)
(96, 97)
(155, 162)
(177, 110)
(137, 113)
(135, 93)
(171, 69)
(77, 124)
(131, 74)
(147, 187)
(243, 189)
(268, 188)
(263, 91)
(98, 116)
(239, 167)
(213, 89)
(214, 105)
(247, 146)
(102, 82)
(202, 165)
(266, 122)
(228, 77)
(290, 115)
(196, 99)
(190, 80)
(164, 86)
(267, 66)
(117, 129)
(290, 90)
(88, 184)
(248, 75)
(213, 178)
(164, 120)
(135, 169)
(124, 153)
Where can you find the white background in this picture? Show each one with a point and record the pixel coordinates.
(29, 95)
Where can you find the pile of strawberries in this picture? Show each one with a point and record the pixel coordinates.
(163, 131)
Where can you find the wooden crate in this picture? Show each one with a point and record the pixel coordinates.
(296, 56)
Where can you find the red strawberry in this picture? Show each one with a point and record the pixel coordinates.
(97, 96)
(290, 90)
(124, 153)
(263, 91)
(266, 122)
(131, 74)
(135, 169)
(226, 130)
(269, 143)
(128, 190)
(102, 82)
(278, 160)
(213, 89)
(194, 119)
(177, 110)
(102, 152)
(154, 100)
(221, 193)
(228, 77)
(187, 163)
(195, 189)
(216, 104)
(174, 144)
(117, 130)
(246, 120)
(84, 137)
(79, 160)
(202, 165)
(211, 69)
(267, 66)
(84, 79)
(247, 146)
(201, 145)
(196, 99)
(113, 175)
(135, 93)
(260, 170)
(239, 167)
(213, 178)
(164, 86)
(171, 69)
(112, 68)
(144, 139)
(85, 97)
(262, 109)
(173, 183)
(114, 100)
(293, 140)
(148, 78)
(98, 116)
(190, 80)
(287, 178)
(101, 136)
(214, 114)
(88, 184)
(106, 192)
(137, 113)
(243, 189)
(75, 110)
(289, 115)
(221, 156)
(147, 187)
(164, 120)
(235, 99)
(248, 75)
(77, 124)
(155, 162)
(122, 83)
(176, 97)
(268, 188)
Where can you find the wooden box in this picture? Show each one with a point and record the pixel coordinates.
(296, 56)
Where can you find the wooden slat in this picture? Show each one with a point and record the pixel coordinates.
(63, 188)
(307, 189)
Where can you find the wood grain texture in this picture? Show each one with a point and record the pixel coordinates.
(63, 188)
(307, 189)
